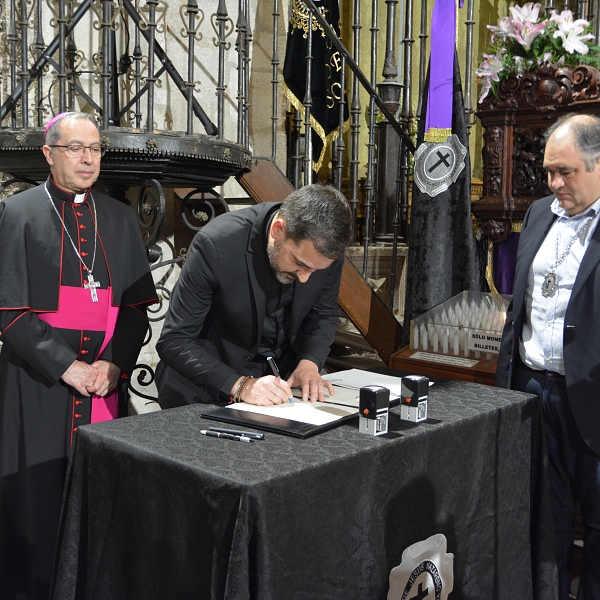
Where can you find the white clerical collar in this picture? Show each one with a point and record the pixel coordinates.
(559, 211)
(79, 198)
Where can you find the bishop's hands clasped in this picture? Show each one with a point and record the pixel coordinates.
(99, 378)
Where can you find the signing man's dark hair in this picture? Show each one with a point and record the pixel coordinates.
(319, 213)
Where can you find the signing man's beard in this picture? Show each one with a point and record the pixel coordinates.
(273, 251)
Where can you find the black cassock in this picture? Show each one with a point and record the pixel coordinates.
(39, 414)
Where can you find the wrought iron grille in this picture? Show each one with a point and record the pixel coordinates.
(136, 62)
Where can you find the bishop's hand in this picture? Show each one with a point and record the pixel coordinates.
(107, 379)
(80, 375)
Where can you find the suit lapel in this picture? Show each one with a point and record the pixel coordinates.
(257, 266)
(297, 305)
(589, 262)
(531, 239)
(537, 229)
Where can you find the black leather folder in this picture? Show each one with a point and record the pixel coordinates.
(274, 424)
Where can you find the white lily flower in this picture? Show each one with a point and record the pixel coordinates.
(528, 12)
(573, 41)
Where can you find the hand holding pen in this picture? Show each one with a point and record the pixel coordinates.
(266, 391)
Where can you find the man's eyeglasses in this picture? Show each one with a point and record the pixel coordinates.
(77, 150)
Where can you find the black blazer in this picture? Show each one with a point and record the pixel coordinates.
(216, 312)
(581, 343)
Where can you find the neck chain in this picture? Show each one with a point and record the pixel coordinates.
(550, 284)
(91, 284)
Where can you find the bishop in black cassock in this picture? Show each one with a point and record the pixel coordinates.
(74, 284)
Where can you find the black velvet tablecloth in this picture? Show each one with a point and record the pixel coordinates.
(156, 511)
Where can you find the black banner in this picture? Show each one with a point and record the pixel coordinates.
(325, 74)
(442, 251)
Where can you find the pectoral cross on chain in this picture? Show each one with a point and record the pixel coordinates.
(92, 285)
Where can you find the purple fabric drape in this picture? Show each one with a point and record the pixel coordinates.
(441, 66)
(505, 259)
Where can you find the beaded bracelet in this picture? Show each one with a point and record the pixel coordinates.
(234, 395)
(238, 393)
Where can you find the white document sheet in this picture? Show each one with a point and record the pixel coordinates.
(357, 378)
(343, 395)
(345, 402)
(314, 413)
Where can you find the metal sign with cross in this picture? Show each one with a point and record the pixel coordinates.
(438, 165)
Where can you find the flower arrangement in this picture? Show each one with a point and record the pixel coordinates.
(523, 42)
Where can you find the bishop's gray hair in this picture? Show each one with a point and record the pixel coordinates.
(53, 133)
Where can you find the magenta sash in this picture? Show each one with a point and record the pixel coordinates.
(77, 311)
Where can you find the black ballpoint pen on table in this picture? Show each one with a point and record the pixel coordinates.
(275, 370)
(227, 436)
(254, 436)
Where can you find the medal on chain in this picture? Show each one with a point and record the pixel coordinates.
(550, 284)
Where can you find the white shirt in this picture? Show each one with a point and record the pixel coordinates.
(541, 343)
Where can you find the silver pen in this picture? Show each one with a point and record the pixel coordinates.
(275, 370)
(273, 366)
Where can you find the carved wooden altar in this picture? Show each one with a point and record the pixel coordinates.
(514, 123)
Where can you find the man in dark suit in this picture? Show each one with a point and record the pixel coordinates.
(551, 342)
(258, 282)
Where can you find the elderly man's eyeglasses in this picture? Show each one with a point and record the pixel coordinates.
(77, 150)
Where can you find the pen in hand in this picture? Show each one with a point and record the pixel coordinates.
(275, 370)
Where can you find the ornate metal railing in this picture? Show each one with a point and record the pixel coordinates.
(122, 58)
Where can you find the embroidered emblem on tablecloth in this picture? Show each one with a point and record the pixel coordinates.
(425, 573)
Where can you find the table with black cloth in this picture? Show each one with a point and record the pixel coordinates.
(155, 511)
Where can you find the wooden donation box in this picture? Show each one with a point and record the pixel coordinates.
(513, 151)
(458, 339)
